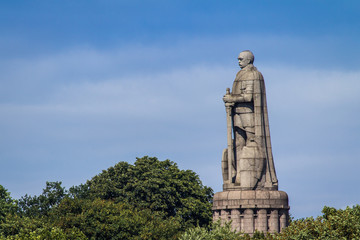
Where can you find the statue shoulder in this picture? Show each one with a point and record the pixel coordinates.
(256, 73)
(238, 76)
(248, 73)
(238, 73)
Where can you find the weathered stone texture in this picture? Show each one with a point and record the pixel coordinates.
(251, 210)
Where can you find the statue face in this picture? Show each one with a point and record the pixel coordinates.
(243, 59)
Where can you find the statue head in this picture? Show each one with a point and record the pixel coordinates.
(245, 58)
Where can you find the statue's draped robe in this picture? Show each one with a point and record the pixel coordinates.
(251, 116)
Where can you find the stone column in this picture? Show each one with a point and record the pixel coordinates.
(274, 221)
(236, 222)
(216, 216)
(248, 221)
(262, 224)
(223, 216)
(283, 219)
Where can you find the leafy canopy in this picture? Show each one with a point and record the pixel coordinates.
(156, 185)
(40, 205)
(333, 224)
(7, 204)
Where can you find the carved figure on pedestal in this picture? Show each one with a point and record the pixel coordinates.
(250, 198)
(247, 163)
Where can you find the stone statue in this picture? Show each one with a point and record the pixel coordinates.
(247, 163)
(250, 199)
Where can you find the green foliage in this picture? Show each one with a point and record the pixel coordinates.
(156, 185)
(46, 233)
(15, 224)
(216, 232)
(334, 224)
(7, 204)
(151, 199)
(104, 219)
(22, 227)
(80, 191)
(41, 205)
(91, 219)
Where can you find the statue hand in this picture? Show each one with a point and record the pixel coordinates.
(228, 98)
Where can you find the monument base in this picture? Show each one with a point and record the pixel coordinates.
(250, 210)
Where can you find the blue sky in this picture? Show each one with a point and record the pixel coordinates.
(85, 84)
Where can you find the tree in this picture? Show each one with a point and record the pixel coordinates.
(156, 185)
(215, 232)
(7, 204)
(40, 205)
(21, 227)
(105, 219)
(218, 231)
(28, 219)
(333, 224)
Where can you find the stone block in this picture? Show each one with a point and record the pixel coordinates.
(234, 195)
(248, 194)
(274, 195)
(262, 194)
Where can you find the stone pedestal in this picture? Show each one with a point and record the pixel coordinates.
(250, 210)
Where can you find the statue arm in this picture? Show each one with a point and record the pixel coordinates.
(234, 98)
(246, 94)
(248, 91)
